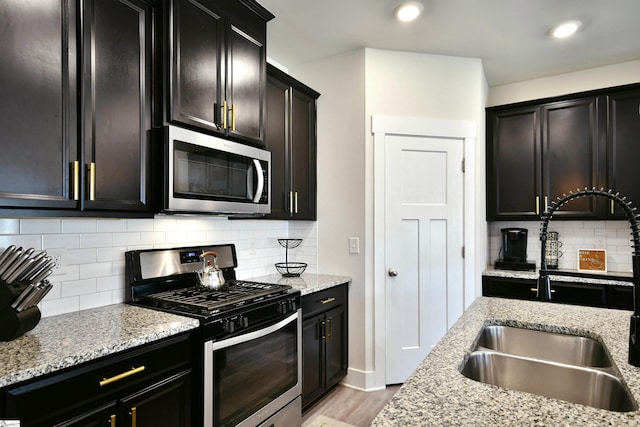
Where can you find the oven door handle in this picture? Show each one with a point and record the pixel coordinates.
(255, 334)
(260, 183)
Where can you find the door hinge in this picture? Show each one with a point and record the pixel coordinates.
(463, 165)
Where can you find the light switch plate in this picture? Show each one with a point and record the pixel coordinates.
(354, 245)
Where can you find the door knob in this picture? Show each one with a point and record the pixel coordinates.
(393, 272)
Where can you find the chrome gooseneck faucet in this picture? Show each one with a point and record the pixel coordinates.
(544, 283)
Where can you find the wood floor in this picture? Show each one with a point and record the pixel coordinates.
(350, 406)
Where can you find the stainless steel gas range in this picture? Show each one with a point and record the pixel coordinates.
(251, 333)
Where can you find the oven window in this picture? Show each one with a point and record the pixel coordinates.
(204, 173)
(250, 375)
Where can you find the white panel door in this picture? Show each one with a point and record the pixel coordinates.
(424, 241)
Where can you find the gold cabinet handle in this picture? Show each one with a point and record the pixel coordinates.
(613, 206)
(112, 420)
(553, 291)
(224, 114)
(296, 202)
(134, 416)
(76, 180)
(121, 376)
(291, 202)
(327, 300)
(92, 181)
(537, 205)
(233, 116)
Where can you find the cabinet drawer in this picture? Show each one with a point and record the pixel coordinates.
(320, 301)
(97, 382)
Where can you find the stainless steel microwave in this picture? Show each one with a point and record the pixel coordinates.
(206, 174)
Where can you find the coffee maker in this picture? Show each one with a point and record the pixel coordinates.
(514, 250)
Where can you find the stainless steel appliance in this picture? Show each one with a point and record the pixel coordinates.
(200, 173)
(251, 333)
(514, 250)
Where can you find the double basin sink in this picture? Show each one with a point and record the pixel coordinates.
(567, 367)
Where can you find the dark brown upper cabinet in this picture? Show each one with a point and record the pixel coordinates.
(38, 103)
(116, 104)
(623, 148)
(217, 67)
(292, 140)
(75, 144)
(539, 151)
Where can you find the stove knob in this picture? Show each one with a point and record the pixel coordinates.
(229, 326)
(244, 320)
(282, 308)
(293, 305)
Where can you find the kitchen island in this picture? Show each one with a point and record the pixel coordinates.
(437, 394)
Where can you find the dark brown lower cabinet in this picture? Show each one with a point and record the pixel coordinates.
(324, 342)
(147, 386)
(608, 296)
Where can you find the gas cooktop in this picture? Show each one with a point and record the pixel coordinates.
(198, 300)
(167, 279)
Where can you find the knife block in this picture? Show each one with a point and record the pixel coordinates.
(12, 323)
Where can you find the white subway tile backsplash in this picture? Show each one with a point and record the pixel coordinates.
(78, 287)
(9, 226)
(94, 300)
(66, 241)
(59, 306)
(92, 273)
(96, 240)
(79, 225)
(111, 225)
(40, 226)
(614, 235)
(98, 269)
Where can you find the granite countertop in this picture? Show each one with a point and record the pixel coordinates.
(574, 276)
(437, 394)
(66, 340)
(306, 283)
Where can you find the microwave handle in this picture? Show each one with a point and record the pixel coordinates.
(260, 186)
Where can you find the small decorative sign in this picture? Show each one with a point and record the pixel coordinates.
(592, 260)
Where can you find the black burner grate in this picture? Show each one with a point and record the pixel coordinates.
(206, 301)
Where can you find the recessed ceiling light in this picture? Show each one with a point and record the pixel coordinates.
(564, 29)
(408, 11)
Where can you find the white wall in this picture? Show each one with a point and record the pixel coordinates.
(354, 86)
(92, 273)
(594, 78)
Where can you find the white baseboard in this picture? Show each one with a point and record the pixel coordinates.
(362, 380)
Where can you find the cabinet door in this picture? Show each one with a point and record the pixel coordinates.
(514, 164)
(312, 359)
(99, 417)
(167, 403)
(509, 288)
(303, 155)
(196, 64)
(623, 145)
(571, 154)
(246, 79)
(335, 346)
(38, 112)
(116, 111)
(277, 134)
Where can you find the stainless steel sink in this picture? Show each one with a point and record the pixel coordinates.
(562, 348)
(561, 366)
(587, 386)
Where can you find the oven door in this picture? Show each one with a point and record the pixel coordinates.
(250, 377)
